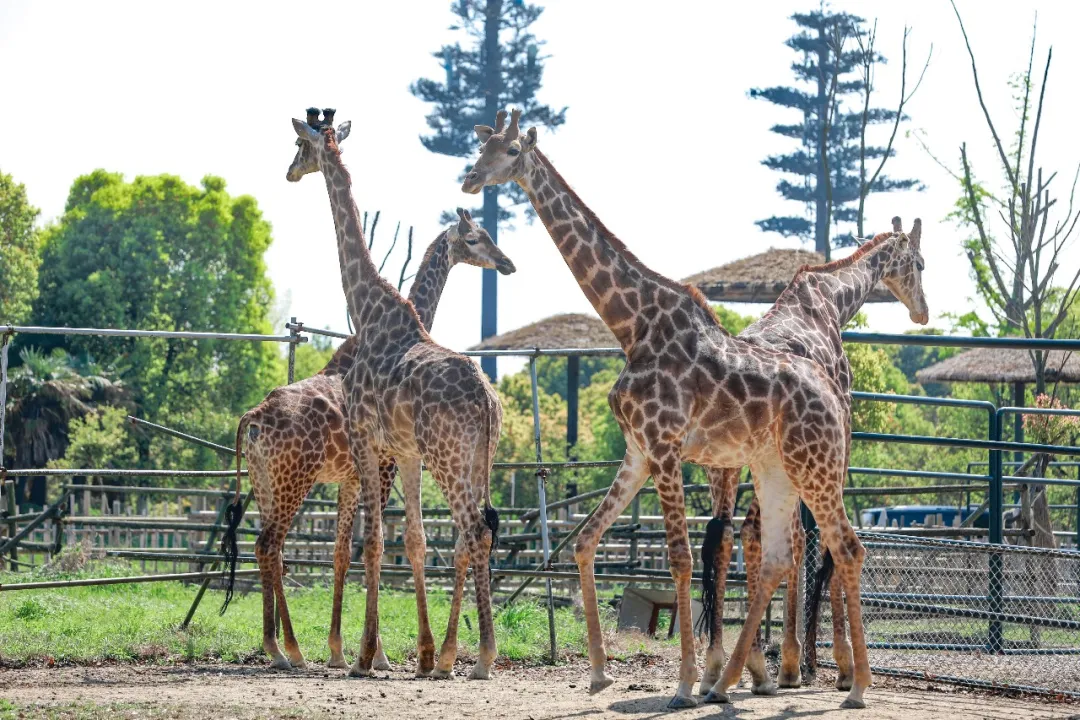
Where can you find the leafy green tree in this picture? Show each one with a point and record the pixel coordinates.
(47, 392)
(732, 321)
(312, 356)
(159, 254)
(99, 439)
(499, 66)
(19, 256)
(551, 372)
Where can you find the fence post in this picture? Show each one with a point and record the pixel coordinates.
(1078, 509)
(541, 491)
(12, 511)
(635, 518)
(996, 560)
(292, 349)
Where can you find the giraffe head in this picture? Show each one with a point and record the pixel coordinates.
(903, 274)
(502, 153)
(311, 140)
(471, 244)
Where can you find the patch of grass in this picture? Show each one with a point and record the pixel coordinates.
(141, 622)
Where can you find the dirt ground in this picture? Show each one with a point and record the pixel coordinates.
(642, 689)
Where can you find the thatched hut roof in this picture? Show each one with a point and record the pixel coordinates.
(761, 278)
(994, 365)
(571, 330)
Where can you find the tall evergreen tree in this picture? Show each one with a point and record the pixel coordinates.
(830, 58)
(499, 66)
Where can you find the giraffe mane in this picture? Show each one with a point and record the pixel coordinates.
(621, 248)
(431, 249)
(864, 249)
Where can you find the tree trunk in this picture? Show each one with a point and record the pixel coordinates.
(492, 92)
(821, 212)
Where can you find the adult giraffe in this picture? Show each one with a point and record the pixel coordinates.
(806, 320)
(412, 400)
(691, 392)
(296, 437)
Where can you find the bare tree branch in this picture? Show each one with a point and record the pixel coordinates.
(982, 104)
(392, 244)
(408, 259)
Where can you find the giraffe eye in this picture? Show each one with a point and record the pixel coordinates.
(472, 241)
(919, 265)
(512, 151)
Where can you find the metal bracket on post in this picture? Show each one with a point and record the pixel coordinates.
(541, 489)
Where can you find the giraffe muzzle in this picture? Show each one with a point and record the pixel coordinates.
(473, 183)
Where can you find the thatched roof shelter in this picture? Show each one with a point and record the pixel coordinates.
(994, 365)
(570, 330)
(761, 278)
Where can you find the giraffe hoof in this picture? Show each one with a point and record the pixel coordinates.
(381, 664)
(767, 688)
(603, 683)
(440, 674)
(681, 702)
(338, 663)
(717, 698)
(357, 671)
(789, 683)
(479, 672)
(299, 663)
(852, 704)
(843, 683)
(281, 663)
(706, 685)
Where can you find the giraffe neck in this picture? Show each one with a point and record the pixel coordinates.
(851, 283)
(342, 359)
(430, 279)
(370, 297)
(619, 286)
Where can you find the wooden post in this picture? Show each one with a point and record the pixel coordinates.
(12, 511)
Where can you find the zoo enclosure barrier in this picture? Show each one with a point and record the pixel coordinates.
(989, 608)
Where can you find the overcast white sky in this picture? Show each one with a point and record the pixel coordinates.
(661, 138)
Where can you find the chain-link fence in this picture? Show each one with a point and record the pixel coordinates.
(972, 612)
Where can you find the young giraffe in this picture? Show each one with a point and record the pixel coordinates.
(415, 401)
(806, 320)
(296, 437)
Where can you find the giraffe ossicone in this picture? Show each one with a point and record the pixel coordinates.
(692, 392)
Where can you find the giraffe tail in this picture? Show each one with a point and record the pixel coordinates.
(813, 611)
(234, 514)
(491, 516)
(714, 534)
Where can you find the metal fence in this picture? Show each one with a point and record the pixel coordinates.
(1012, 613)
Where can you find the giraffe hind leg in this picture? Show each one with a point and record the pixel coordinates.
(789, 675)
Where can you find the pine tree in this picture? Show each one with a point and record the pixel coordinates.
(832, 53)
(500, 66)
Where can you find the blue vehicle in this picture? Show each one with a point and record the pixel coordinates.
(920, 515)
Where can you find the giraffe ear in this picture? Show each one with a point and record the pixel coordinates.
(916, 233)
(343, 130)
(305, 131)
(529, 141)
(484, 132)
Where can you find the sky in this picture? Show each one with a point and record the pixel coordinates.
(661, 139)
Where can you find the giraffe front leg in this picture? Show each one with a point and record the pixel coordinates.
(387, 473)
(842, 653)
(791, 650)
(723, 485)
(348, 497)
(631, 476)
(416, 551)
(448, 652)
(665, 464)
(367, 466)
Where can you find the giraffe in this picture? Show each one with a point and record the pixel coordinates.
(692, 392)
(296, 437)
(410, 399)
(806, 320)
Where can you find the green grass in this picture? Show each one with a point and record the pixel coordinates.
(141, 622)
